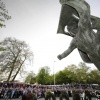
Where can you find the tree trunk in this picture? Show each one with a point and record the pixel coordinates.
(12, 67)
(18, 70)
(11, 71)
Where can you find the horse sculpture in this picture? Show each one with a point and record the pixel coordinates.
(75, 16)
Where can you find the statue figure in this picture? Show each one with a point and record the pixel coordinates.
(75, 16)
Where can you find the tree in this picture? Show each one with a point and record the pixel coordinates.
(94, 77)
(14, 57)
(84, 66)
(82, 73)
(71, 73)
(3, 14)
(31, 78)
(43, 76)
(61, 77)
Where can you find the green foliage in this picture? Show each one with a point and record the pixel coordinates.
(94, 77)
(79, 73)
(3, 14)
(31, 78)
(49, 95)
(64, 95)
(70, 74)
(73, 74)
(62, 77)
(43, 76)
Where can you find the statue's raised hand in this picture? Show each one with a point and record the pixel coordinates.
(59, 57)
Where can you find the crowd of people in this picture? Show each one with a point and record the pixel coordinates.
(29, 91)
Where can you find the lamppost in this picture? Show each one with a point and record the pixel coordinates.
(53, 73)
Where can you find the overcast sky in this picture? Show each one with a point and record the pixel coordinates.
(36, 22)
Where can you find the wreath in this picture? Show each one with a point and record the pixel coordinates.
(34, 97)
(87, 95)
(50, 95)
(76, 95)
(64, 95)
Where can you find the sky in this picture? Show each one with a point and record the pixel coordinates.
(36, 23)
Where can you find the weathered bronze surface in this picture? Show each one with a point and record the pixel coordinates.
(75, 16)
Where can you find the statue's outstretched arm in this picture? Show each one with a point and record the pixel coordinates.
(68, 51)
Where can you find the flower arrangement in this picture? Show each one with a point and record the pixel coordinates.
(87, 95)
(76, 95)
(49, 95)
(64, 95)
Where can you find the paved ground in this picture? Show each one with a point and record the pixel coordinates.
(43, 99)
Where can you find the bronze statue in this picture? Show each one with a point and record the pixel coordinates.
(75, 16)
